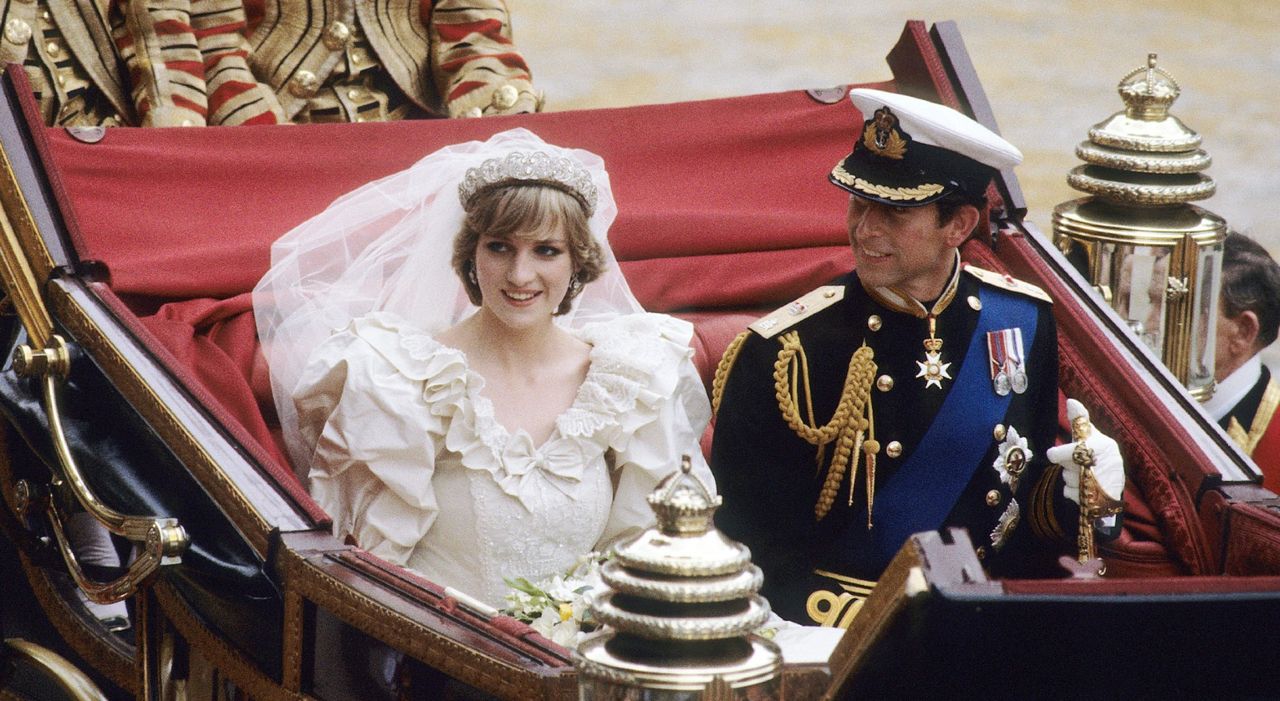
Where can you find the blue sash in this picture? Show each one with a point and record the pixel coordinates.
(924, 490)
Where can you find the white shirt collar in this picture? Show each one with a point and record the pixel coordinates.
(1230, 391)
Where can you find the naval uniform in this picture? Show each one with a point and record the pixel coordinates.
(943, 431)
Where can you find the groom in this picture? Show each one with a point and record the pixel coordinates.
(919, 393)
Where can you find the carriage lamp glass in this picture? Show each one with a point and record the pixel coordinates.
(1153, 256)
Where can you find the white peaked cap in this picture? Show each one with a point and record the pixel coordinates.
(939, 125)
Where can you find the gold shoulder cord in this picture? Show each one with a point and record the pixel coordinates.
(723, 367)
(851, 426)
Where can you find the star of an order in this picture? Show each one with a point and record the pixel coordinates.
(933, 370)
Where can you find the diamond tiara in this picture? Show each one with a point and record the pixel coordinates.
(535, 167)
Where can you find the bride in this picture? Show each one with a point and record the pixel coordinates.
(462, 372)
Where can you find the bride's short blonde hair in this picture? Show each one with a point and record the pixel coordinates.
(515, 208)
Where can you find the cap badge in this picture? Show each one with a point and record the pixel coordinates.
(882, 136)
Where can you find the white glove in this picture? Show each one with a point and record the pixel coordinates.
(1108, 468)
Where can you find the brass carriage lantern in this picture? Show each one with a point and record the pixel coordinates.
(679, 612)
(1155, 258)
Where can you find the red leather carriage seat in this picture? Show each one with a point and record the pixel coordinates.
(725, 213)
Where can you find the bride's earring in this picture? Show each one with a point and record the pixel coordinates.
(471, 273)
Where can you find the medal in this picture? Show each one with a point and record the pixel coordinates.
(1008, 366)
(996, 352)
(932, 369)
(1019, 381)
(1018, 374)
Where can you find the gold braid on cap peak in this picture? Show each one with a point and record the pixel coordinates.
(897, 194)
(851, 426)
(560, 172)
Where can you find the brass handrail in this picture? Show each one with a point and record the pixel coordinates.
(163, 539)
(21, 267)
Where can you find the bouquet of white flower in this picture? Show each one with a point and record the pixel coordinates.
(558, 607)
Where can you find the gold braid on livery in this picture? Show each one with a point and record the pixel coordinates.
(477, 68)
(1261, 420)
(187, 62)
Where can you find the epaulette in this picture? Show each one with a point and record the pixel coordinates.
(1008, 282)
(785, 317)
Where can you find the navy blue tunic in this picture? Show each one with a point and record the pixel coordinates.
(770, 478)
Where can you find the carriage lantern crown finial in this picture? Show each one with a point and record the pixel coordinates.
(1154, 257)
(1148, 92)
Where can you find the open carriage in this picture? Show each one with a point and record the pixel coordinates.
(135, 391)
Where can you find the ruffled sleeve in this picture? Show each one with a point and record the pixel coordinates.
(372, 402)
(645, 364)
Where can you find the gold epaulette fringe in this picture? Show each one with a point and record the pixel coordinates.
(727, 359)
(851, 426)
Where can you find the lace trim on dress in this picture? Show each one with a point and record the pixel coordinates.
(634, 369)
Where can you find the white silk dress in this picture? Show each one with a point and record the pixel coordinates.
(407, 457)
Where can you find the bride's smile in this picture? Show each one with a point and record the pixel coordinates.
(523, 278)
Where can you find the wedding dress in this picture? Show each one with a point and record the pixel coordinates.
(397, 434)
(408, 458)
